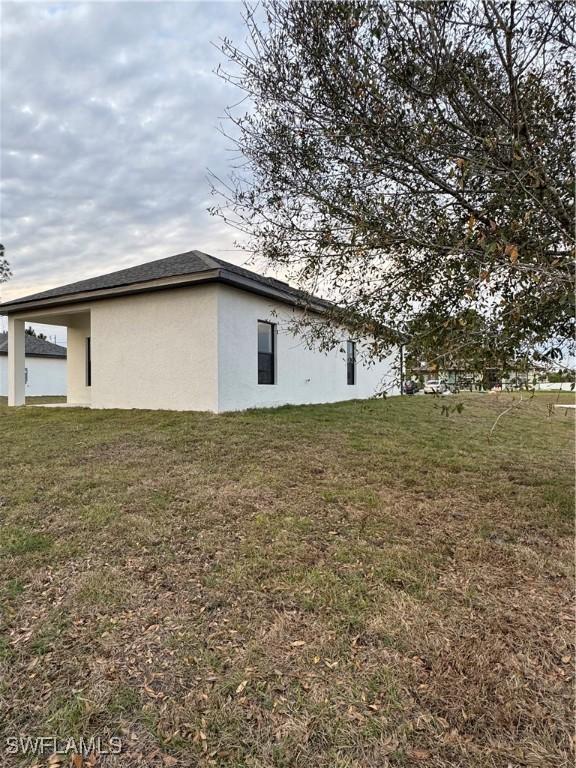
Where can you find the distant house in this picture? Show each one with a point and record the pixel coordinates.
(516, 374)
(192, 332)
(458, 374)
(44, 366)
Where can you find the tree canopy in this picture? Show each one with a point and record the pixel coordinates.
(412, 159)
(4, 268)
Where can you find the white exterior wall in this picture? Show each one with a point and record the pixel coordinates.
(196, 348)
(78, 331)
(46, 376)
(3, 375)
(303, 375)
(157, 350)
(550, 386)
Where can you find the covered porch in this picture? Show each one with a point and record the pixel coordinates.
(76, 320)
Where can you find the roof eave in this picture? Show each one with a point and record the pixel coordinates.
(3, 353)
(21, 305)
(253, 286)
(213, 276)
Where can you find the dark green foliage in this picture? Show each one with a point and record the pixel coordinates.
(561, 376)
(31, 332)
(4, 268)
(447, 410)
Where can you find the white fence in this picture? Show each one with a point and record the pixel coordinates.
(549, 386)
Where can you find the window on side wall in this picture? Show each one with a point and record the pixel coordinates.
(351, 362)
(88, 363)
(266, 352)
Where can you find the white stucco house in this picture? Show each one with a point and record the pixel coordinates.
(191, 332)
(44, 367)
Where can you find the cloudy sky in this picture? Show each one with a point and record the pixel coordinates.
(110, 115)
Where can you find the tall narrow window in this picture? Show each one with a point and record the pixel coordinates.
(351, 362)
(266, 352)
(88, 363)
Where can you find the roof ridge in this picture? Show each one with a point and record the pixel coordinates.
(259, 275)
(210, 261)
(34, 345)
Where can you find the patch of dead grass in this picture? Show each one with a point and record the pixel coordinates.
(362, 584)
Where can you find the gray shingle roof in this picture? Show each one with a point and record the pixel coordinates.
(34, 347)
(189, 263)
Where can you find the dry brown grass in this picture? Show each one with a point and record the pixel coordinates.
(355, 585)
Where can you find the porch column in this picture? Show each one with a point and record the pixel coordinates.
(16, 362)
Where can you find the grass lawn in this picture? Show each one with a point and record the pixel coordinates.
(361, 584)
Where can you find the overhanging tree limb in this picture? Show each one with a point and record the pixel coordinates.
(409, 156)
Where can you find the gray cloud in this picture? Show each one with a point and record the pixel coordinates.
(109, 122)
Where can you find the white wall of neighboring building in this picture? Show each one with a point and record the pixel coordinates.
(549, 386)
(45, 376)
(303, 375)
